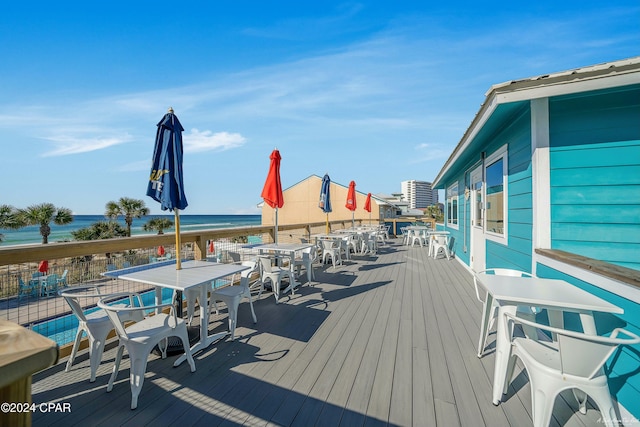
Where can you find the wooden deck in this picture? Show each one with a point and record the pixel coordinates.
(383, 340)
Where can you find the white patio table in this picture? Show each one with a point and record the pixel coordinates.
(556, 296)
(287, 250)
(193, 274)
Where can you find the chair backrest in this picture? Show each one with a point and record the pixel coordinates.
(582, 355)
(442, 239)
(37, 274)
(310, 253)
(328, 244)
(235, 256)
(245, 276)
(119, 313)
(72, 296)
(64, 275)
(265, 263)
(52, 279)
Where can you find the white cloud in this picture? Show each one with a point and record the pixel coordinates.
(135, 166)
(65, 144)
(426, 152)
(197, 141)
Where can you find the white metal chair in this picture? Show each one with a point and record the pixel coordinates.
(354, 242)
(232, 295)
(141, 337)
(331, 248)
(438, 242)
(345, 247)
(405, 235)
(369, 243)
(273, 273)
(306, 259)
(418, 236)
(382, 235)
(95, 324)
(574, 361)
(523, 311)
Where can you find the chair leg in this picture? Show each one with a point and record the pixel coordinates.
(542, 401)
(602, 399)
(581, 398)
(309, 272)
(116, 367)
(96, 348)
(511, 365)
(253, 313)
(232, 308)
(74, 350)
(136, 378)
(191, 306)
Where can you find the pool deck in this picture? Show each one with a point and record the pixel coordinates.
(382, 340)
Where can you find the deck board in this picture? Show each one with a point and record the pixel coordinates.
(388, 339)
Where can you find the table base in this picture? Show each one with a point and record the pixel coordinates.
(201, 345)
(174, 346)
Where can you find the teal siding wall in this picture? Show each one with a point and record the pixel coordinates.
(595, 176)
(517, 253)
(458, 235)
(595, 202)
(624, 365)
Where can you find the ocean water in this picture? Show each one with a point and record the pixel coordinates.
(61, 233)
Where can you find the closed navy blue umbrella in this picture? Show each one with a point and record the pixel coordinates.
(325, 197)
(166, 183)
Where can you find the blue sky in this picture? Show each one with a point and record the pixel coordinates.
(375, 92)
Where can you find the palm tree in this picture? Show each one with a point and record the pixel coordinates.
(127, 207)
(434, 212)
(7, 218)
(159, 224)
(42, 215)
(100, 230)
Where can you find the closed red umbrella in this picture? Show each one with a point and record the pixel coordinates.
(161, 251)
(212, 248)
(272, 190)
(367, 206)
(351, 202)
(43, 267)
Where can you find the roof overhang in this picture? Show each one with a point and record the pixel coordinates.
(504, 100)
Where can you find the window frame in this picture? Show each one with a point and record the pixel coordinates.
(450, 209)
(501, 154)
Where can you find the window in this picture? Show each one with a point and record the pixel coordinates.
(496, 195)
(452, 206)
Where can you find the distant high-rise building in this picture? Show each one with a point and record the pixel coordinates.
(419, 194)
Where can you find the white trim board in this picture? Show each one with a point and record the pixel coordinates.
(621, 289)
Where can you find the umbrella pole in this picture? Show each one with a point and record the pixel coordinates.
(178, 263)
(275, 237)
(353, 219)
(327, 223)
